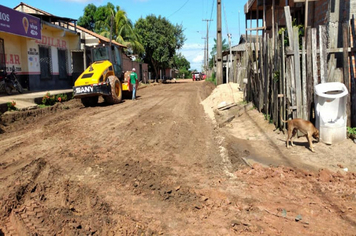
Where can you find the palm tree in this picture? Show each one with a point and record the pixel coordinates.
(126, 34)
(224, 46)
(122, 31)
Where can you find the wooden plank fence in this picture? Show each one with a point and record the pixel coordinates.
(352, 78)
(281, 78)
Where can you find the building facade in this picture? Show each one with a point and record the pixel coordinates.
(57, 55)
(42, 62)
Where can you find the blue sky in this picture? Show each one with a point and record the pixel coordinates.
(189, 13)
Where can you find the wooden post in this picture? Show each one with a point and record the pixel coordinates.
(283, 76)
(272, 90)
(290, 83)
(273, 7)
(265, 77)
(275, 85)
(257, 25)
(314, 57)
(262, 76)
(353, 83)
(304, 82)
(346, 36)
(310, 82)
(289, 25)
(249, 83)
(298, 86)
(323, 54)
(264, 16)
(277, 68)
(290, 61)
(267, 71)
(276, 54)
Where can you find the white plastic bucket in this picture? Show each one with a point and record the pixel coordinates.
(330, 111)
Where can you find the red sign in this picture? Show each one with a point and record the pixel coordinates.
(49, 41)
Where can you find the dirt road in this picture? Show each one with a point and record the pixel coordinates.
(156, 166)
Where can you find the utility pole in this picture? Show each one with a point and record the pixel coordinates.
(204, 55)
(219, 66)
(206, 59)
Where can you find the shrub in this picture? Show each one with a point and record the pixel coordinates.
(49, 100)
(212, 78)
(11, 106)
(61, 97)
(351, 132)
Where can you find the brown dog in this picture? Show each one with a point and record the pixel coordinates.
(304, 126)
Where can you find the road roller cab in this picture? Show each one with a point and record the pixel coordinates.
(103, 77)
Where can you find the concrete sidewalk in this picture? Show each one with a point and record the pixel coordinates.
(28, 100)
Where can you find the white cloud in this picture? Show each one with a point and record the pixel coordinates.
(198, 58)
(194, 53)
(192, 46)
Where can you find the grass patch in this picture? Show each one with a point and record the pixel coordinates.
(351, 132)
(43, 105)
(268, 118)
(211, 80)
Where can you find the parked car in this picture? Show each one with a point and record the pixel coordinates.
(196, 76)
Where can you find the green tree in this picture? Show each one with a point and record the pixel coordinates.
(87, 20)
(112, 22)
(160, 40)
(104, 18)
(182, 64)
(125, 34)
(224, 46)
(179, 61)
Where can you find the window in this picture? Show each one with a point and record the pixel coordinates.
(101, 53)
(45, 62)
(117, 64)
(62, 64)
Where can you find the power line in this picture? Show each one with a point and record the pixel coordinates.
(227, 28)
(206, 63)
(178, 9)
(211, 14)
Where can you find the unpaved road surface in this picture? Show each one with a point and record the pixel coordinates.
(160, 166)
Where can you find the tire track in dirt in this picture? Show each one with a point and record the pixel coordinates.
(148, 166)
(58, 161)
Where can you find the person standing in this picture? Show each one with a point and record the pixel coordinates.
(134, 82)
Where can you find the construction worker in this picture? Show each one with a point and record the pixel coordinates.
(134, 83)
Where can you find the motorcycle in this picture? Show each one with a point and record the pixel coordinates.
(9, 82)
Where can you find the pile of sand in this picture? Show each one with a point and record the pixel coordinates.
(222, 95)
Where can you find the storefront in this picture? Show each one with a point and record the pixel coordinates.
(38, 49)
